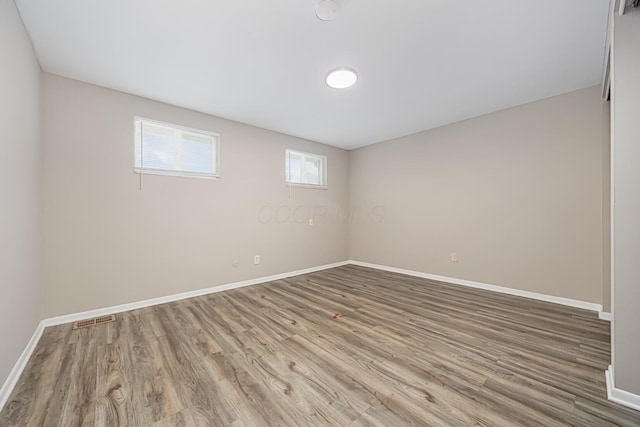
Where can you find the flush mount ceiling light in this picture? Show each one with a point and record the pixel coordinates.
(326, 10)
(341, 78)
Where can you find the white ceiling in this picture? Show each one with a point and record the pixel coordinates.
(421, 63)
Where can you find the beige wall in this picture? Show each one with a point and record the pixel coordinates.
(517, 194)
(626, 215)
(107, 242)
(20, 214)
(606, 207)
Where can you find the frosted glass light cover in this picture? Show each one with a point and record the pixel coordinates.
(341, 78)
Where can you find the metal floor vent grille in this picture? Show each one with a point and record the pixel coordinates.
(95, 321)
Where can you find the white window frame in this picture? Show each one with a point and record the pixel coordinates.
(305, 155)
(215, 150)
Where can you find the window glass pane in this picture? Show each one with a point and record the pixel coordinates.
(158, 146)
(196, 154)
(305, 168)
(175, 149)
(312, 171)
(295, 167)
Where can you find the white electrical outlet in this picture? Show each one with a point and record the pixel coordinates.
(256, 259)
(454, 256)
(311, 222)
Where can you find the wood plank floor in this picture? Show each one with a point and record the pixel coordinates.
(349, 346)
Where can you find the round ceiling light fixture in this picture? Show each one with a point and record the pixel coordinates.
(326, 10)
(341, 78)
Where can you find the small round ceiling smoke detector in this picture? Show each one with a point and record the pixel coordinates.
(326, 10)
(341, 78)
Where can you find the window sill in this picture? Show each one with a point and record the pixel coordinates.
(177, 174)
(311, 186)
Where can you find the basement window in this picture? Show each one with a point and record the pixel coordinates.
(168, 149)
(306, 169)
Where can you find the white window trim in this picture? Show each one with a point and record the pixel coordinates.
(324, 177)
(215, 152)
(178, 174)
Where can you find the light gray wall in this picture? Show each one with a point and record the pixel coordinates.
(626, 215)
(517, 194)
(20, 214)
(107, 242)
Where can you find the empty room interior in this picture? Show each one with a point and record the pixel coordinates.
(320, 212)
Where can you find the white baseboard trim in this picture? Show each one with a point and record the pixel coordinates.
(501, 289)
(605, 315)
(59, 320)
(15, 373)
(616, 395)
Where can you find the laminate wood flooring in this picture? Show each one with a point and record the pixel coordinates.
(349, 346)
